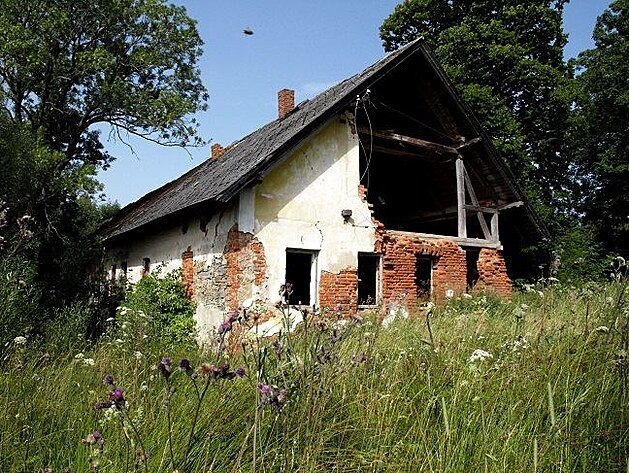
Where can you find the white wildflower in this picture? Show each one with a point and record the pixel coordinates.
(19, 340)
(138, 355)
(111, 413)
(79, 356)
(602, 329)
(480, 355)
(519, 343)
(123, 310)
(247, 303)
(88, 362)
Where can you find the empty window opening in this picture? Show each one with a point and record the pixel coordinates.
(300, 272)
(423, 278)
(124, 268)
(146, 266)
(368, 279)
(112, 274)
(471, 261)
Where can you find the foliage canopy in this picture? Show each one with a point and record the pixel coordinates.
(506, 60)
(70, 64)
(602, 127)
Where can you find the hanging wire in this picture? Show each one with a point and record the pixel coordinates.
(419, 122)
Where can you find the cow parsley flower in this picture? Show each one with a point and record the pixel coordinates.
(480, 356)
(19, 340)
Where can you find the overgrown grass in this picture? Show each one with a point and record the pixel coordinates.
(552, 396)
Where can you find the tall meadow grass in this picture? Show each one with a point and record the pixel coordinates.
(536, 384)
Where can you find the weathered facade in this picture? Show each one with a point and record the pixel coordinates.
(381, 189)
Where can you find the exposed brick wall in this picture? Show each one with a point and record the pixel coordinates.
(246, 265)
(339, 290)
(492, 273)
(187, 272)
(399, 254)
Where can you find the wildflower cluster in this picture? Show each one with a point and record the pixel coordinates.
(479, 355)
(116, 396)
(218, 372)
(272, 395)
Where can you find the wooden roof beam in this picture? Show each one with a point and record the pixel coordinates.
(437, 148)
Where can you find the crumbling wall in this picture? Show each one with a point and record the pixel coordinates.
(339, 290)
(492, 273)
(400, 251)
(246, 268)
(187, 272)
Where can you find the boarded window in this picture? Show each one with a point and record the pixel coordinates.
(301, 273)
(368, 278)
(423, 278)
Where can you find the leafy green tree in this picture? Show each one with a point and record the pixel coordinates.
(603, 128)
(506, 60)
(65, 67)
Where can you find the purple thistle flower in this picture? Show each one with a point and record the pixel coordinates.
(240, 372)
(265, 389)
(184, 365)
(117, 396)
(108, 380)
(225, 327)
(92, 438)
(165, 366)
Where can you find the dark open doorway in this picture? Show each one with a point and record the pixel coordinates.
(368, 278)
(299, 270)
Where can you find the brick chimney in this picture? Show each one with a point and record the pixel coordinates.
(217, 151)
(285, 102)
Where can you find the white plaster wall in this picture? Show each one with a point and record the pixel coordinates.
(298, 205)
(164, 249)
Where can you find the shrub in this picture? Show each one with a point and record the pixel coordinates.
(161, 301)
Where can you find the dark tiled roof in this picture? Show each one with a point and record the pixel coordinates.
(218, 180)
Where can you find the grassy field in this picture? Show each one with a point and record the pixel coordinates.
(537, 384)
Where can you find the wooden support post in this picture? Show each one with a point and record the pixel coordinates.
(479, 215)
(460, 197)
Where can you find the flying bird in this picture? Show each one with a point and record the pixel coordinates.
(248, 31)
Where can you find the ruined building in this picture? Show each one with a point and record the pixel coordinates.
(382, 188)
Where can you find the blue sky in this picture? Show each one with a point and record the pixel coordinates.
(302, 45)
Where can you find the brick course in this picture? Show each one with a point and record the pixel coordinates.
(339, 290)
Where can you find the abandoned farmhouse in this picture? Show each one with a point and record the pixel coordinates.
(384, 188)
